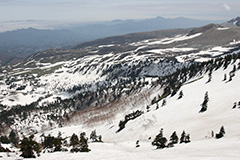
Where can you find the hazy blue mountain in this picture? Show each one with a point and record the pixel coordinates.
(23, 42)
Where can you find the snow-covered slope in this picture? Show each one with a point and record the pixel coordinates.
(177, 115)
(98, 85)
(180, 114)
(47, 76)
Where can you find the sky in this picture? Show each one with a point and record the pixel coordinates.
(68, 11)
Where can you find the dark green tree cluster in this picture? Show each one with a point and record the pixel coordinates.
(94, 137)
(12, 138)
(79, 144)
(185, 138)
(51, 142)
(129, 117)
(236, 104)
(29, 147)
(161, 142)
(4, 139)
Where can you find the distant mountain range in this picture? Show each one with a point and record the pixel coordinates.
(18, 44)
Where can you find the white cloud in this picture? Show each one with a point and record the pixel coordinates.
(227, 7)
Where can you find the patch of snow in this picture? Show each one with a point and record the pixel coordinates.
(234, 42)
(162, 51)
(222, 29)
(109, 45)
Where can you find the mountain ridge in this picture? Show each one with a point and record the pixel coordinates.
(23, 42)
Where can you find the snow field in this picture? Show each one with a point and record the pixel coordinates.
(177, 115)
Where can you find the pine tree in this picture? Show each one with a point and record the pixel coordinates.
(234, 68)
(164, 102)
(13, 138)
(160, 141)
(74, 142)
(180, 95)
(212, 133)
(231, 75)
(234, 105)
(225, 77)
(57, 144)
(84, 143)
(137, 144)
(205, 102)
(93, 136)
(183, 136)
(148, 108)
(28, 146)
(221, 133)
(4, 139)
(174, 138)
(222, 130)
(187, 139)
(209, 76)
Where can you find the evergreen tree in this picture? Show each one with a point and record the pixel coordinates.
(164, 102)
(157, 107)
(48, 141)
(13, 138)
(174, 138)
(212, 133)
(234, 105)
(209, 76)
(205, 102)
(234, 68)
(94, 137)
(137, 144)
(84, 143)
(225, 77)
(4, 139)
(187, 138)
(28, 146)
(222, 130)
(74, 142)
(160, 141)
(180, 95)
(183, 136)
(221, 133)
(148, 108)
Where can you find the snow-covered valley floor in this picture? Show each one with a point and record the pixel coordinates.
(208, 149)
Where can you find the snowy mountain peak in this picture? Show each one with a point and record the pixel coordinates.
(233, 22)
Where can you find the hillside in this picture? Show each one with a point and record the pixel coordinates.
(127, 88)
(176, 115)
